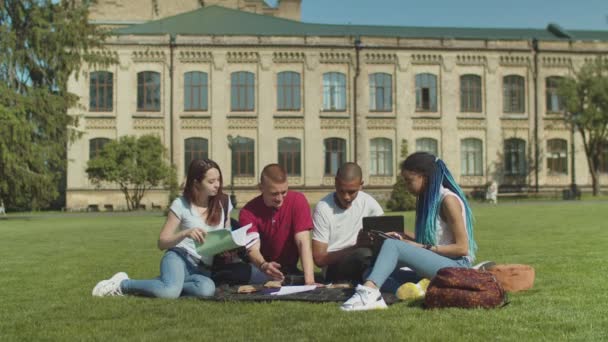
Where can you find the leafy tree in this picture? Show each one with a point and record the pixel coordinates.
(42, 44)
(585, 97)
(135, 164)
(401, 199)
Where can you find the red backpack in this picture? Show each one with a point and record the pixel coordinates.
(464, 288)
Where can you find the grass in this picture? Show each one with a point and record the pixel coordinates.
(49, 264)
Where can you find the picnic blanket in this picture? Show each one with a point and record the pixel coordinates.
(318, 295)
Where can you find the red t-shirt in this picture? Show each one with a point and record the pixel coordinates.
(277, 227)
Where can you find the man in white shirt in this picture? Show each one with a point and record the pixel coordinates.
(337, 245)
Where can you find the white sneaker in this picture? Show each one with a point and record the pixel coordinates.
(110, 287)
(484, 265)
(365, 298)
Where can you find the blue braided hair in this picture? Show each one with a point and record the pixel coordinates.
(428, 202)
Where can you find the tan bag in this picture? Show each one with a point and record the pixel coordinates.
(514, 277)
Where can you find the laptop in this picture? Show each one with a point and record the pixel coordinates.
(383, 223)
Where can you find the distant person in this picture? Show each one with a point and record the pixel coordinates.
(183, 272)
(337, 218)
(2, 210)
(443, 236)
(492, 192)
(282, 218)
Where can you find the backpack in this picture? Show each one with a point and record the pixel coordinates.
(514, 277)
(464, 288)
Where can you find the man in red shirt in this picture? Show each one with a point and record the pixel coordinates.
(283, 220)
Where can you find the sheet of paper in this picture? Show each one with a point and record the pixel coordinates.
(285, 290)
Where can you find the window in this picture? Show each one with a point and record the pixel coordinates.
(471, 157)
(242, 91)
(195, 91)
(470, 94)
(555, 103)
(428, 145)
(381, 92)
(101, 91)
(243, 157)
(515, 157)
(557, 156)
(195, 148)
(426, 93)
(604, 158)
(148, 91)
(288, 90)
(290, 156)
(334, 91)
(335, 155)
(514, 94)
(96, 145)
(381, 157)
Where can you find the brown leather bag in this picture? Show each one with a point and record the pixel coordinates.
(464, 288)
(514, 277)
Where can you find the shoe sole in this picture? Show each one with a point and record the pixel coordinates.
(380, 305)
(99, 285)
(484, 265)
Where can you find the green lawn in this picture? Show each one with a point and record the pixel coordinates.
(49, 264)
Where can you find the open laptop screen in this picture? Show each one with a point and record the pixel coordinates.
(384, 223)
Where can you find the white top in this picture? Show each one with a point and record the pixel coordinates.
(189, 218)
(338, 228)
(444, 235)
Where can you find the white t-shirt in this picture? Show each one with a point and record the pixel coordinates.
(338, 228)
(444, 235)
(189, 218)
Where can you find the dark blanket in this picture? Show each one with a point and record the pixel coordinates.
(229, 293)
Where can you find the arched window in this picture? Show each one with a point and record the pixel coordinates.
(555, 103)
(426, 92)
(428, 145)
(195, 148)
(101, 91)
(471, 157)
(96, 145)
(290, 155)
(288, 90)
(243, 162)
(470, 94)
(334, 91)
(195, 91)
(515, 157)
(514, 94)
(148, 91)
(335, 155)
(381, 157)
(380, 92)
(242, 97)
(557, 156)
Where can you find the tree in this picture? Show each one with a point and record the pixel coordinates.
(135, 164)
(585, 98)
(401, 199)
(42, 44)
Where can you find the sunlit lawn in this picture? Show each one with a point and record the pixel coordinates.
(49, 264)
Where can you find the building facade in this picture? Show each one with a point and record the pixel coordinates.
(237, 82)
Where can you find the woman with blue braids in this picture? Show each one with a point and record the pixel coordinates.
(443, 235)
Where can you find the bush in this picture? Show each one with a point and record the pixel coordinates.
(401, 199)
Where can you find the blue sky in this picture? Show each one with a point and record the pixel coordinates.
(570, 14)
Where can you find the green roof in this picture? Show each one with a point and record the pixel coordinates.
(217, 20)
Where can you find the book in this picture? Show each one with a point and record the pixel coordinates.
(221, 240)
